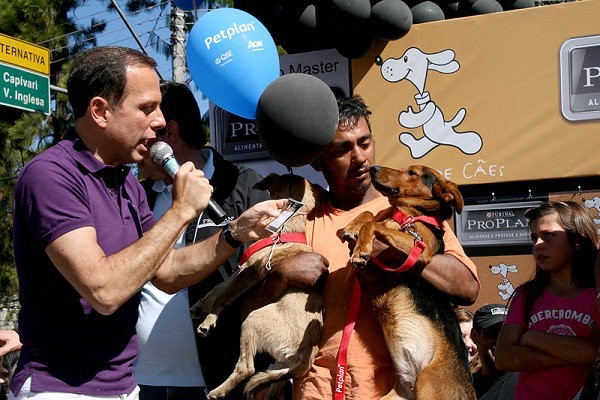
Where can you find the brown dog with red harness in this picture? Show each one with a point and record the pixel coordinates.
(418, 323)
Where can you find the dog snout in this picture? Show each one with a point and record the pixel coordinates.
(375, 169)
(378, 61)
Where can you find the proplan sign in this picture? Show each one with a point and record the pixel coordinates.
(580, 78)
(494, 224)
(22, 84)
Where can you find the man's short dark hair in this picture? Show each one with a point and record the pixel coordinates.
(179, 104)
(351, 109)
(102, 71)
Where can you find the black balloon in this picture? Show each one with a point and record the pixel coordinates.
(455, 10)
(351, 12)
(311, 28)
(390, 19)
(516, 4)
(486, 7)
(308, 17)
(443, 3)
(296, 118)
(427, 11)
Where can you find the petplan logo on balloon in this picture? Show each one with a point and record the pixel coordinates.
(232, 58)
(229, 34)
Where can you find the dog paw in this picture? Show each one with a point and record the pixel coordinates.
(360, 260)
(349, 234)
(207, 325)
(217, 393)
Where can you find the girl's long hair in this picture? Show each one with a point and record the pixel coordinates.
(464, 315)
(581, 231)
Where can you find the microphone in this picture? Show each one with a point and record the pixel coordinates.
(162, 154)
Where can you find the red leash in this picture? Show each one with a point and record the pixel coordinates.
(407, 224)
(342, 357)
(272, 241)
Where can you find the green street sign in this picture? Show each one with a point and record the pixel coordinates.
(23, 89)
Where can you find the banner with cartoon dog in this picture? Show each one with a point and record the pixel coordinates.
(500, 97)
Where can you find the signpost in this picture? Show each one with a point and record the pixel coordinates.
(24, 75)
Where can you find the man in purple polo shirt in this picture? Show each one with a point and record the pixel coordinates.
(85, 240)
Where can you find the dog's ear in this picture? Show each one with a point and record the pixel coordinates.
(321, 195)
(443, 62)
(266, 182)
(447, 192)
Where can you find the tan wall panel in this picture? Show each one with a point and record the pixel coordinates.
(508, 83)
(492, 272)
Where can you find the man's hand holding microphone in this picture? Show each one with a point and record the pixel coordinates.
(191, 196)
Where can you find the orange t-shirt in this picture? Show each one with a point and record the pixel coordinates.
(370, 373)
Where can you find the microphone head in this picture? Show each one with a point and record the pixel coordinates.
(160, 151)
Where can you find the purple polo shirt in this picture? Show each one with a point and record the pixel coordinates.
(67, 345)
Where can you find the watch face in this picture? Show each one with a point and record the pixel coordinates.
(580, 78)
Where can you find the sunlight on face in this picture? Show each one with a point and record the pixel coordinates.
(348, 159)
(465, 329)
(132, 124)
(552, 250)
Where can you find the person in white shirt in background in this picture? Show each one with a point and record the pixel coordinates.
(170, 359)
(167, 366)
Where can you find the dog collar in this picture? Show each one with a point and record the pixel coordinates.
(405, 220)
(272, 241)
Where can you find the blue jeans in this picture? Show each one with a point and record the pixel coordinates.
(171, 393)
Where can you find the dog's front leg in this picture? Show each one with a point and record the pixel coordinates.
(223, 295)
(386, 232)
(410, 119)
(401, 241)
(364, 245)
(244, 368)
(352, 229)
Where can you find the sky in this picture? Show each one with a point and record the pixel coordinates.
(118, 34)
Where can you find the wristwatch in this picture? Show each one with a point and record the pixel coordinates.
(229, 238)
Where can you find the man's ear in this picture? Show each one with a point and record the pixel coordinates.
(99, 110)
(172, 132)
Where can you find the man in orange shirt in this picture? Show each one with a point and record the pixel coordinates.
(346, 166)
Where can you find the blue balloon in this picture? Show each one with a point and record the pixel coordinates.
(187, 5)
(232, 59)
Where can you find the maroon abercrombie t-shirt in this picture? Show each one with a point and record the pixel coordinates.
(67, 345)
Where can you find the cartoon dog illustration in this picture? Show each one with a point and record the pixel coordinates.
(413, 66)
(594, 203)
(506, 287)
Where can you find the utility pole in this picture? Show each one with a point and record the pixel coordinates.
(137, 39)
(178, 41)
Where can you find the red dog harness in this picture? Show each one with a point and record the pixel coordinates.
(407, 224)
(272, 241)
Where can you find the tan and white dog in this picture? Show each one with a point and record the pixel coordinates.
(289, 329)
